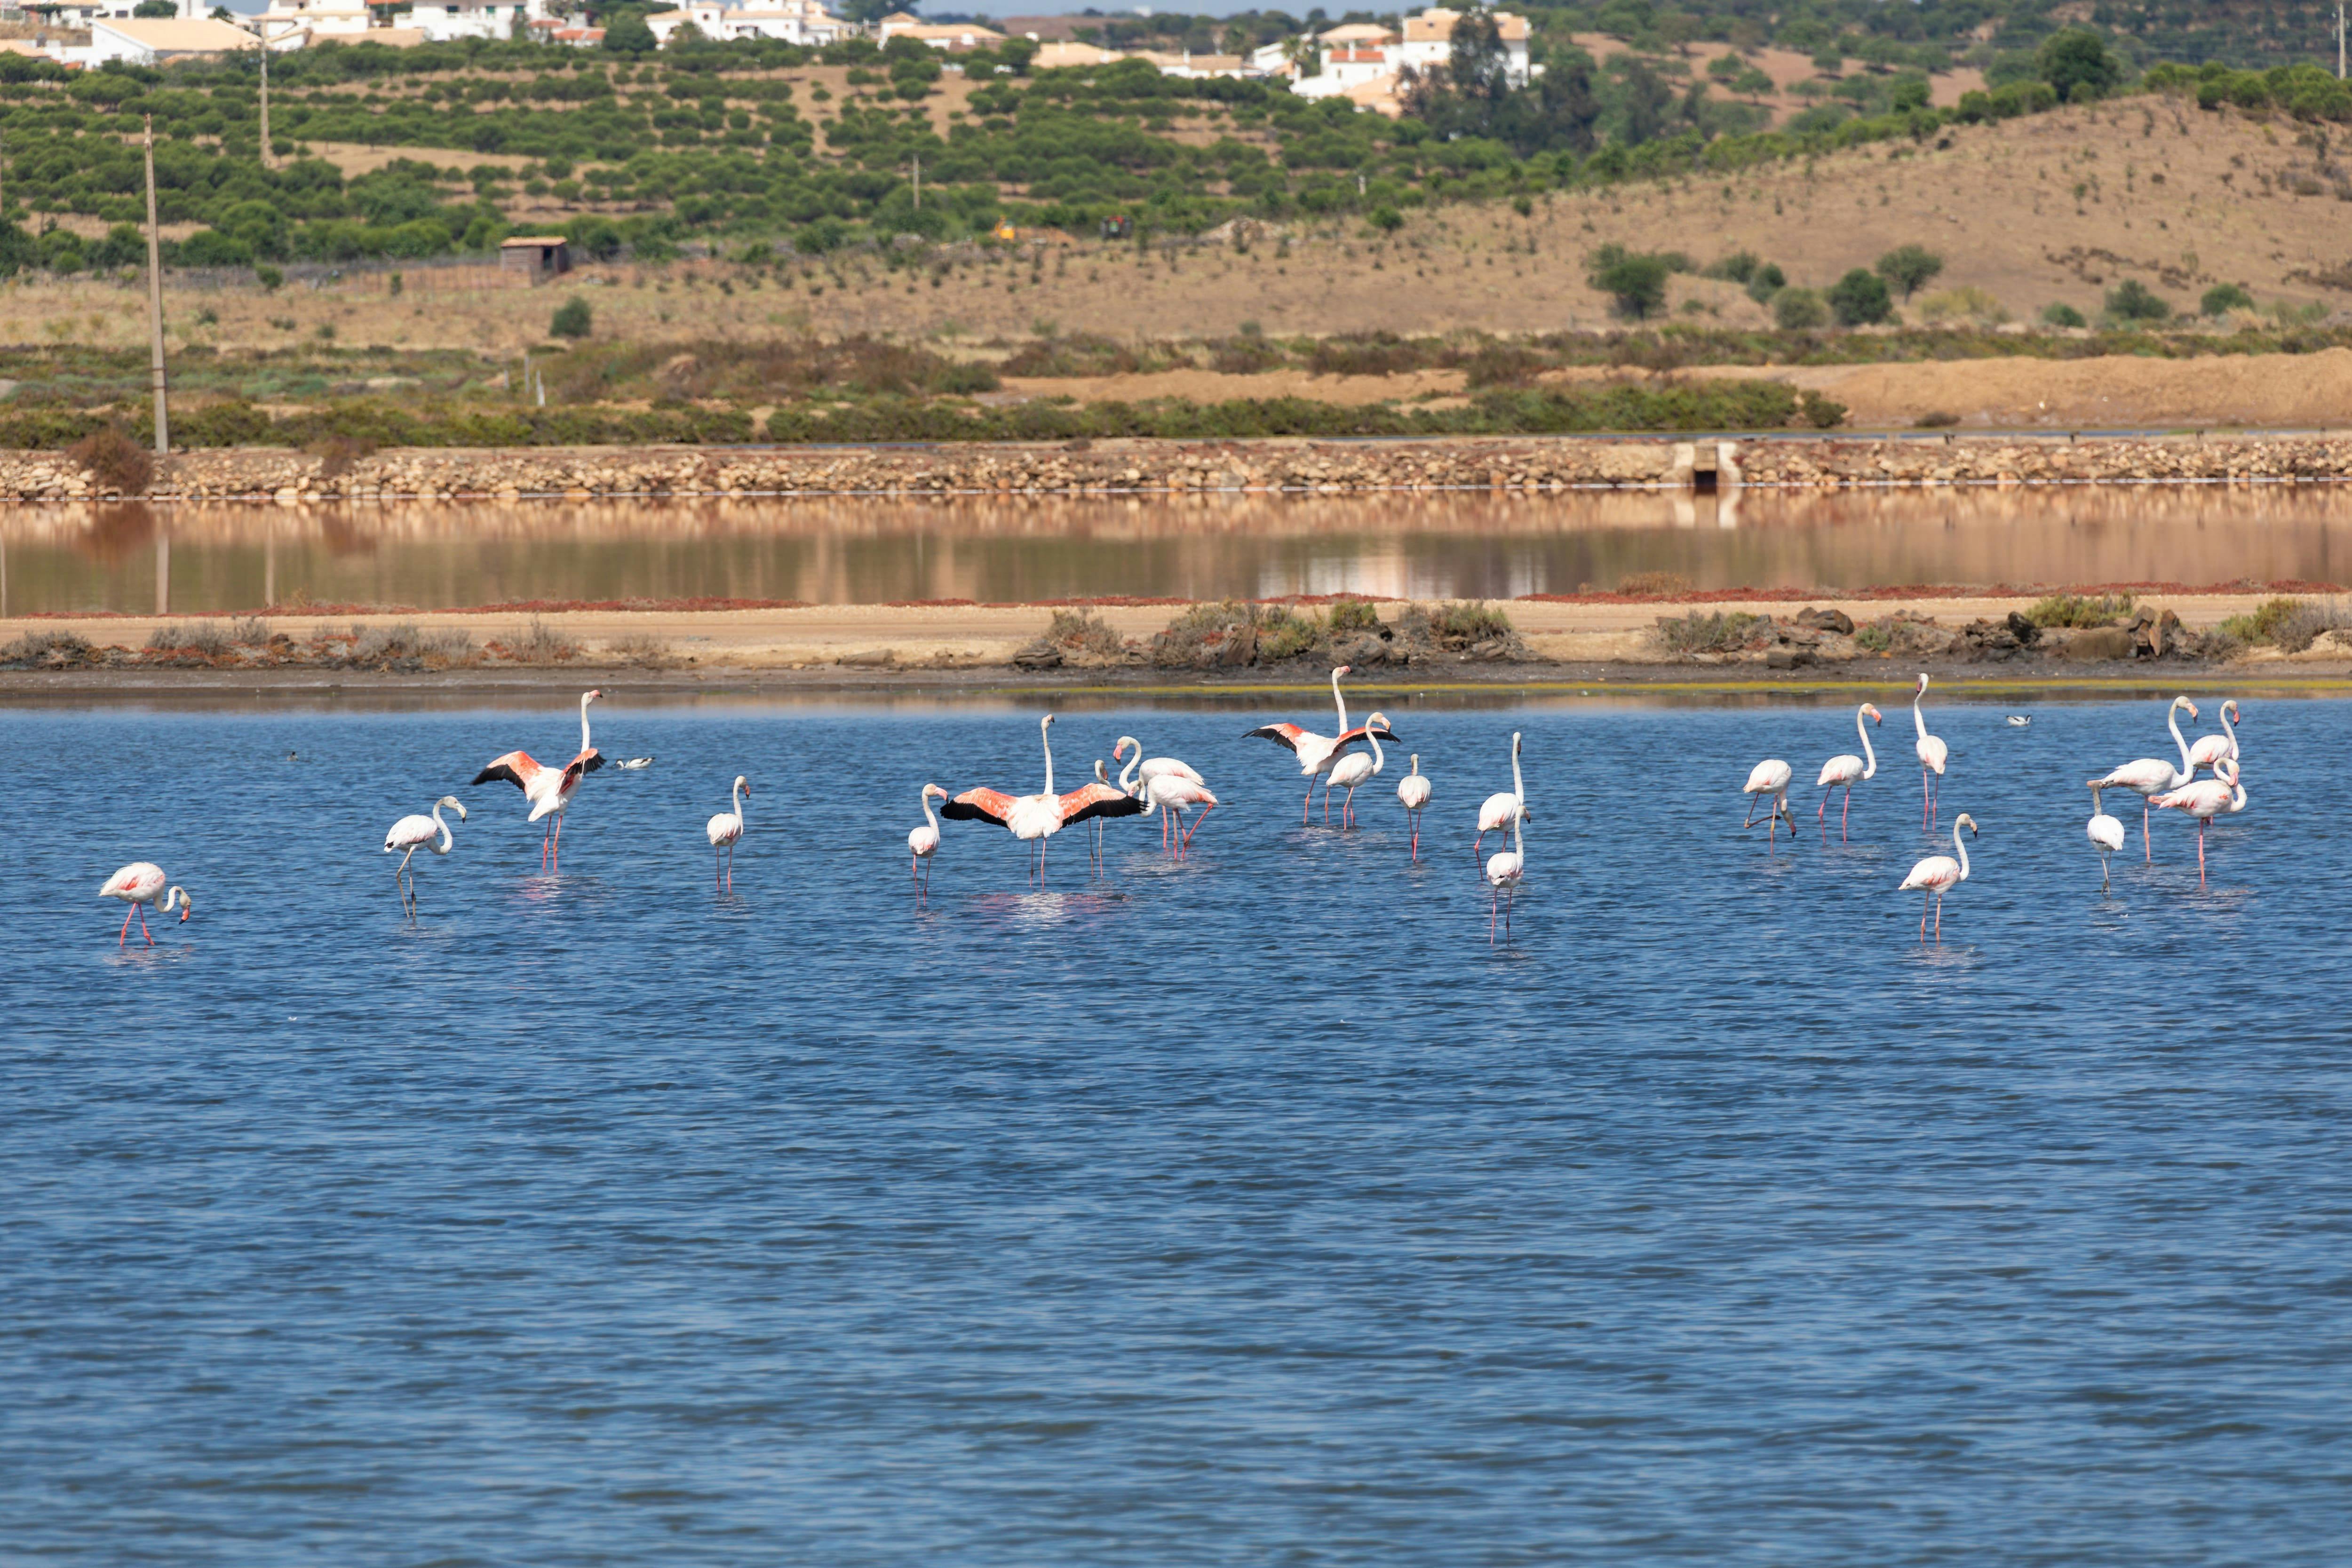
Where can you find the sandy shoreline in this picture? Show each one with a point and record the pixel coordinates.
(970, 649)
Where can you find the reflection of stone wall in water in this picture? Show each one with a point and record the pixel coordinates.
(63, 557)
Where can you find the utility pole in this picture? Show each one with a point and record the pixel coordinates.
(155, 296)
(2340, 40)
(265, 103)
(919, 182)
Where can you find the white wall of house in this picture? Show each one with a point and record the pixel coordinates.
(444, 21)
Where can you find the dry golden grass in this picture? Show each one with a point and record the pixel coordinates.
(2057, 208)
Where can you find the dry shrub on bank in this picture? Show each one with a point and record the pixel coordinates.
(2077, 610)
(1083, 632)
(642, 648)
(49, 650)
(2291, 624)
(249, 631)
(113, 459)
(1653, 585)
(537, 642)
(206, 638)
(336, 454)
(1713, 631)
(1457, 622)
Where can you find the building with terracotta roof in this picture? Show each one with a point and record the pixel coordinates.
(938, 35)
(1429, 41)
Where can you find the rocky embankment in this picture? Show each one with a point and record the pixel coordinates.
(1520, 463)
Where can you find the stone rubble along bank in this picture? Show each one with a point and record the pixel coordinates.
(1516, 463)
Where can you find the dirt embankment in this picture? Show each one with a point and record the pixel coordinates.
(1514, 463)
(1721, 638)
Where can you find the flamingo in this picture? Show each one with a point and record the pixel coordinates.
(2210, 749)
(1152, 769)
(1315, 754)
(549, 790)
(1505, 869)
(1413, 793)
(725, 830)
(1176, 795)
(1035, 818)
(414, 833)
(1502, 811)
(923, 842)
(1771, 778)
(2152, 776)
(1939, 874)
(1933, 756)
(1847, 771)
(1353, 770)
(2106, 832)
(2206, 799)
(138, 883)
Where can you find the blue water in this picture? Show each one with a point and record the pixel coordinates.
(1255, 1211)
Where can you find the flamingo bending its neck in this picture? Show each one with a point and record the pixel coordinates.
(2152, 776)
(1770, 779)
(414, 833)
(549, 790)
(725, 830)
(1035, 818)
(1938, 875)
(1848, 771)
(1505, 871)
(1169, 797)
(1933, 756)
(139, 884)
(1350, 771)
(2206, 799)
(1315, 754)
(1413, 793)
(2106, 832)
(1502, 811)
(923, 842)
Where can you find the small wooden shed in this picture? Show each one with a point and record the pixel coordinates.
(540, 254)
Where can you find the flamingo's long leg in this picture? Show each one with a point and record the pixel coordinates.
(1306, 804)
(126, 925)
(1845, 812)
(141, 910)
(1196, 826)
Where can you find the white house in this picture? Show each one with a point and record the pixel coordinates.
(802, 22)
(1429, 41)
(1189, 65)
(443, 21)
(298, 23)
(82, 12)
(147, 43)
(1348, 66)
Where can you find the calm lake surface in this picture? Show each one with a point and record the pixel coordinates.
(1256, 1211)
(182, 560)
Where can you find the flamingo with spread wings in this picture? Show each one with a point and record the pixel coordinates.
(549, 790)
(1315, 754)
(1035, 818)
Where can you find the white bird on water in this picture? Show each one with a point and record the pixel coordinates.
(1315, 754)
(923, 842)
(1413, 793)
(2210, 749)
(2106, 832)
(1505, 871)
(142, 883)
(2152, 776)
(1933, 756)
(1938, 875)
(1502, 811)
(413, 833)
(725, 830)
(2206, 799)
(1846, 770)
(1350, 771)
(1769, 779)
(634, 762)
(549, 790)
